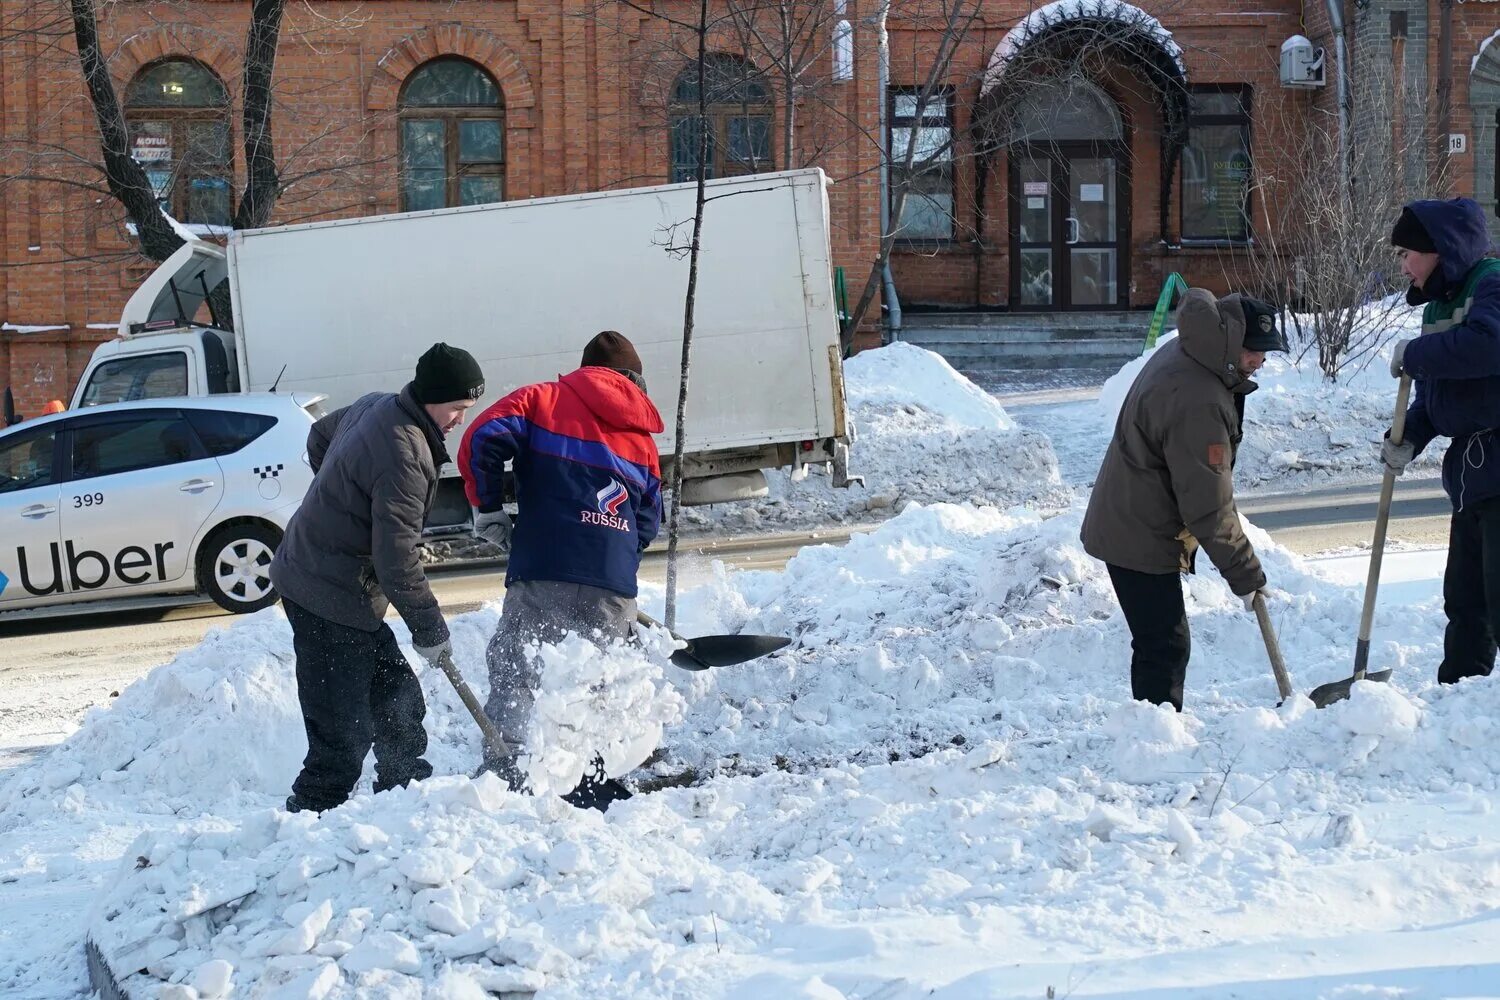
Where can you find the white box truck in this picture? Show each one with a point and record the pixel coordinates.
(346, 307)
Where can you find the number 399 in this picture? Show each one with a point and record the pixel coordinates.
(88, 499)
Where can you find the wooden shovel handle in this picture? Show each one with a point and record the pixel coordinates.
(1377, 547)
(1273, 648)
(495, 743)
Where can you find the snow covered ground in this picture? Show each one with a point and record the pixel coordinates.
(941, 789)
(942, 786)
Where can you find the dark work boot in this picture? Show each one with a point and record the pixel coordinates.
(296, 805)
(508, 770)
(596, 791)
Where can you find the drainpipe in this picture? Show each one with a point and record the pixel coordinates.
(1341, 56)
(888, 279)
(1445, 86)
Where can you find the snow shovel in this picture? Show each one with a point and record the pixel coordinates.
(494, 743)
(1273, 648)
(718, 650)
(1337, 691)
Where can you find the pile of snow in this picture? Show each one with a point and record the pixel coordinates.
(942, 785)
(1302, 431)
(174, 743)
(922, 434)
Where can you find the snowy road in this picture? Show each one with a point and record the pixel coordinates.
(1343, 516)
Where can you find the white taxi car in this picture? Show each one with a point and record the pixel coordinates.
(151, 499)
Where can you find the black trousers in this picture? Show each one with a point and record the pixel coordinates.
(1159, 641)
(1471, 592)
(356, 691)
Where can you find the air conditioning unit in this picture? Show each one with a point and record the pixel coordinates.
(1302, 64)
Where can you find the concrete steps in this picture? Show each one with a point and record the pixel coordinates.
(978, 341)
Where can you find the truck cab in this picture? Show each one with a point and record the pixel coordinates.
(162, 350)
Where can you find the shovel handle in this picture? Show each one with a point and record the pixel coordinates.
(1273, 648)
(649, 622)
(1377, 547)
(492, 738)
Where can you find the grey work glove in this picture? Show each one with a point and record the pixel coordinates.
(433, 654)
(1398, 357)
(1249, 600)
(1397, 456)
(493, 527)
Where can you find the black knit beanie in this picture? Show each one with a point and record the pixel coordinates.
(1410, 234)
(447, 374)
(611, 350)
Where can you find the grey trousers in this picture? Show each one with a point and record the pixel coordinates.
(543, 611)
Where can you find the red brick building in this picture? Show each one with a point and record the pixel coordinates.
(1072, 156)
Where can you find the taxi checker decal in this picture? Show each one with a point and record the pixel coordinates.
(268, 471)
(610, 500)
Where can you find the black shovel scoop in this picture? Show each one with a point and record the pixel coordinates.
(708, 651)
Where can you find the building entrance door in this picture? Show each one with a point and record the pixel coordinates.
(1069, 231)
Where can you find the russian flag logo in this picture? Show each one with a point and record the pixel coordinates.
(612, 498)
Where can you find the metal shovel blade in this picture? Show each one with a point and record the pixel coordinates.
(1336, 691)
(707, 651)
(726, 650)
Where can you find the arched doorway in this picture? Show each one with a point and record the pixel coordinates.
(1069, 199)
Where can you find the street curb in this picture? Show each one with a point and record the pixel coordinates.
(101, 976)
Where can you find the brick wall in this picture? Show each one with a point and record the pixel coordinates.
(584, 109)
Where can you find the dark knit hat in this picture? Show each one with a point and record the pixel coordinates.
(1410, 234)
(611, 350)
(447, 374)
(1261, 333)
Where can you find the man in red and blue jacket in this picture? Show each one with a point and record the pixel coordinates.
(588, 487)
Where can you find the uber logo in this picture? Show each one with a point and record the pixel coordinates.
(90, 570)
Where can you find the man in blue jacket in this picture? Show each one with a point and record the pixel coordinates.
(588, 485)
(1455, 371)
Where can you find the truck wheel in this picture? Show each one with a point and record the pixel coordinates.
(234, 567)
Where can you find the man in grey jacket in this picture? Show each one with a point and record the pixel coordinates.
(349, 553)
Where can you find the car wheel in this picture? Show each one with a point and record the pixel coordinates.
(234, 567)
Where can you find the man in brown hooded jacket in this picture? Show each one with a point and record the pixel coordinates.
(1166, 485)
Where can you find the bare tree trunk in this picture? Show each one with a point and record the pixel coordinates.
(687, 318)
(788, 92)
(262, 179)
(126, 178)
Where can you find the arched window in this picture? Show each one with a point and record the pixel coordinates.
(1068, 110)
(452, 136)
(178, 113)
(738, 122)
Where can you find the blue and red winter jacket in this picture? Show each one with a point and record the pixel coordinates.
(588, 479)
(1455, 364)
